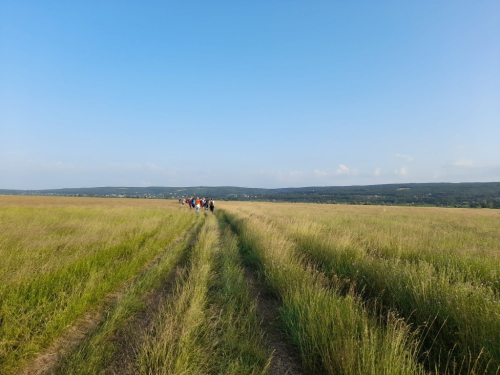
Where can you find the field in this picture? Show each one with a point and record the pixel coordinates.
(142, 286)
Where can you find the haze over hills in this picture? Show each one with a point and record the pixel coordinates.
(479, 194)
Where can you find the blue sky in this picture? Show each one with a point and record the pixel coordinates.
(248, 93)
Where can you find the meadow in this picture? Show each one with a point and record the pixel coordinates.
(143, 286)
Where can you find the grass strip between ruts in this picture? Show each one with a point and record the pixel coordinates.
(209, 326)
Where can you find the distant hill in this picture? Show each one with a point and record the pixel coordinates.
(478, 194)
(218, 192)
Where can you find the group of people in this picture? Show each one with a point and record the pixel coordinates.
(197, 203)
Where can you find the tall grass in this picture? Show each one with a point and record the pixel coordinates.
(61, 257)
(334, 333)
(97, 351)
(363, 290)
(242, 347)
(210, 325)
(177, 342)
(460, 311)
(460, 239)
(460, 319)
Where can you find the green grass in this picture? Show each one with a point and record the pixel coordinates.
(209, 326)
(178, 342)
(242, 347)
(96, 353)
(40, 298)
(459, 318)
(383, 255)
(362, 289)
(333, 333)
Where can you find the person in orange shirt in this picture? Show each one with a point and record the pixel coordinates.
(197, 205)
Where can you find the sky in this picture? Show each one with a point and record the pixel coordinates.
(248, 93)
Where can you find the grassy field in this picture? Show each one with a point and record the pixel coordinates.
(138, 286)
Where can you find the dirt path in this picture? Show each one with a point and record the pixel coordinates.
(62, 346)
(66, 343)
(130, 337)
(284, 359)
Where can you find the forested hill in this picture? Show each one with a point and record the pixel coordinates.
(479, 194)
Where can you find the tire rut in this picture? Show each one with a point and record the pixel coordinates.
(130, 337)
(47, 361)
(284, 360)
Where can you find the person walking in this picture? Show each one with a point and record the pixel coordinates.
(212, 205)
(197, 205)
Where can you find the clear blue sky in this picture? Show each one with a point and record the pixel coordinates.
(248, 93)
